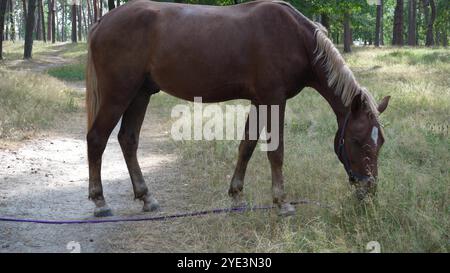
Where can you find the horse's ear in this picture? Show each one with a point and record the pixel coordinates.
(356, 104)
(383, 104)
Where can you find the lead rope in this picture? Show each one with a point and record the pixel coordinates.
(158, 218)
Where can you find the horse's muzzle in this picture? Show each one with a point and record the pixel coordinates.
(364, 187)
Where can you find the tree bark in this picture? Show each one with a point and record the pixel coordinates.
(412, 22)
(2, 22)
(80, 26)
(38, 21)
(111, 4)
(397, 36)
(89, 13)
(12, 27)
(41, 12)
(74, 23)
(325, 21)
(53, 11)
(429, 20)
(378, 25)
(5, 35)
(49, 20)
(382, 23)
(83, 13)
(29, 27)
(95, 7)
(347, 33)
(63, 23)
(24, 8)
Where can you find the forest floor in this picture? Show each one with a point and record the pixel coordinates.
(45, 174)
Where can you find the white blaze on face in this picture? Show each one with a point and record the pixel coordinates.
(374, 135)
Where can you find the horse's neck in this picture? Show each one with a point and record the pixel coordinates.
(339, 109)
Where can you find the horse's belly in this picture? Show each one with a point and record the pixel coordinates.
(216, 93)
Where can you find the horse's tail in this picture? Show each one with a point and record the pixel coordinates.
(92, 92)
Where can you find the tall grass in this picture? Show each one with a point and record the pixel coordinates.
(31, 101)
(411, 210)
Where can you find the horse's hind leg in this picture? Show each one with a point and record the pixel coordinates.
(97, 137)
(129, 141)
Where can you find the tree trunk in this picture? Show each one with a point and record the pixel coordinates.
(378, 25)
(419, 19)
(63, 23)
(49, 20)
(74, 23)
(38, 21)
(2, 22)
(111, 4)
(41, 12)
(24, 8)
(325, 21)
(382, 23)
(118, 3)
(53, 11)
(101, 8)
(429, 21)
(412, 22)
(5, 36)
(95, 7)
(28, 48)
(347, 33)
(88, 6)
(83, 13)
(80, 26)
(397, 35)
(12, 27)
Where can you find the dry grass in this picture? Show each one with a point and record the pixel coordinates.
(31, 101)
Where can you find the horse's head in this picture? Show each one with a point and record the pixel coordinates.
(358, 142)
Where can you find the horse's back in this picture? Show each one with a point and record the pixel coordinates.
(208, 51)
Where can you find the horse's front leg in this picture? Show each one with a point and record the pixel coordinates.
(275, 153)
(246, 148)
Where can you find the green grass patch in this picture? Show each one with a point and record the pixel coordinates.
(70, 72)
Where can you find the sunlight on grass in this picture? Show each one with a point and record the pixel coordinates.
(30, 101)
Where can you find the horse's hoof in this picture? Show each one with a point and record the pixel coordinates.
(286, 209)
(150, 204)
(104, 211)
(235, 204)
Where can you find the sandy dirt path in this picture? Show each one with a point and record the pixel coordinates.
(46, 178)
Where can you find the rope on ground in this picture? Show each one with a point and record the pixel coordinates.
(158, 218)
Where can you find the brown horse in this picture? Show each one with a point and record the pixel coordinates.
(262, 51)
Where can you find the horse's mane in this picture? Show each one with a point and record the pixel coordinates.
(339, 75)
